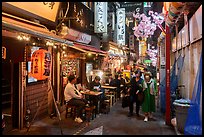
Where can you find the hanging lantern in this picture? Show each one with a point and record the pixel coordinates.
(41, 64)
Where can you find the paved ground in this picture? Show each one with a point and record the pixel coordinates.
(114, 123)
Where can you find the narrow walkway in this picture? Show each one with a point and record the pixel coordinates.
(115, 122)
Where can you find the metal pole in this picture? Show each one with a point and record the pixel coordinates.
(168, 43)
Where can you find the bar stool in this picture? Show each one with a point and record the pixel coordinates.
(108, 105)
(70, 109)
(111, 96)
(90, 112)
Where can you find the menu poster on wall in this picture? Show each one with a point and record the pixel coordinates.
(69, 67)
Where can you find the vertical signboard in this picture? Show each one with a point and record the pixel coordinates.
(113, 21)
(121, 26)
(142, 48)
(131, 42)
(100, 17)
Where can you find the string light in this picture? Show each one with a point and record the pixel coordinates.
(48, 43)
(23, 37)
(54, 46)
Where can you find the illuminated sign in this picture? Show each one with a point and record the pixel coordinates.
(121, 26)
(131, 42)
(47, 10)
(100, 17)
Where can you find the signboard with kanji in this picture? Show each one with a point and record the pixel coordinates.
(121, 26)
(100, 17)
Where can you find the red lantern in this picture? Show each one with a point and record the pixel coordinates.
(41, 64)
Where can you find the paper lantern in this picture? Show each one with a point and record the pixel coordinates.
(41, 64)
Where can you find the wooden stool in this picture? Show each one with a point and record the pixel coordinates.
(108, 105)
(111, 96)
(90, 112)
(72, 111)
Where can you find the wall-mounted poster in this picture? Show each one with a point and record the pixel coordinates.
(69, 66)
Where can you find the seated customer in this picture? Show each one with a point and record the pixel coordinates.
(109, 79)
(96, 86)
(74, 97)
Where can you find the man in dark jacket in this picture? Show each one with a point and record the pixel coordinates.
(96, 86)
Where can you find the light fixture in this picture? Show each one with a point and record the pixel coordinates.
(48, 43)
(19, 37)
(89, 54)
(64, 47)
(23, 37)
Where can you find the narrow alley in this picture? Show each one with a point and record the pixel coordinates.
(101, 68)
(115, 122)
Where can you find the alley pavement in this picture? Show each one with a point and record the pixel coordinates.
(115, 122)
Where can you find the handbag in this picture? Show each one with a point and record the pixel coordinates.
(141, 97)
(125, 101)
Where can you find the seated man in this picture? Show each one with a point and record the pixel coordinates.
(96, 86)
(74, 97)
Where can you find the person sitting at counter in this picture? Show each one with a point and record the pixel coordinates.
(74, 97)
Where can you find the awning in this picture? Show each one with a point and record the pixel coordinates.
(22, 25)
(88, 49)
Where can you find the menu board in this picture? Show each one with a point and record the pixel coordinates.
(69, 66)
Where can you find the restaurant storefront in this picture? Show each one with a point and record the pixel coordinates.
(116, 60)
(30, 63)
(78, 58)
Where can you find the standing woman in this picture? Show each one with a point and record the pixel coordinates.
(137, 85)
(148, 105)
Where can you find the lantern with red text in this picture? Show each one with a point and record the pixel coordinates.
(41, 64)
